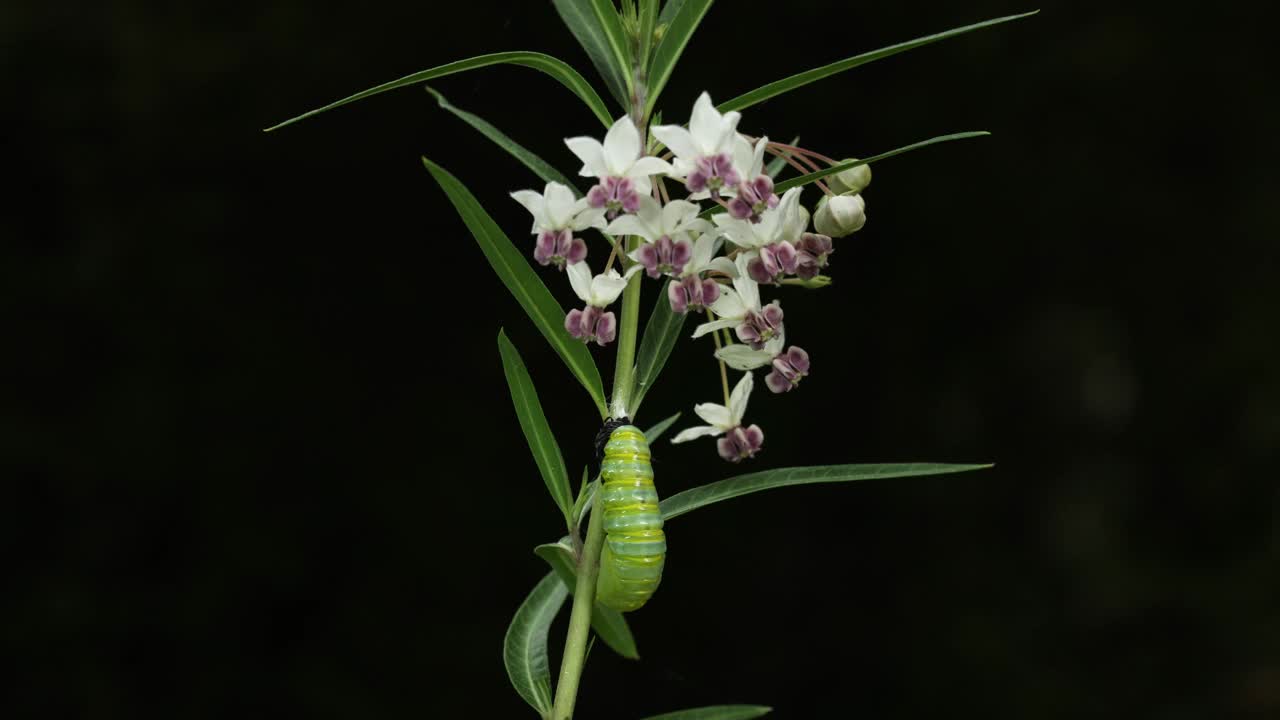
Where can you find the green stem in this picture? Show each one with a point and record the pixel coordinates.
(584, 596)
(624, 370)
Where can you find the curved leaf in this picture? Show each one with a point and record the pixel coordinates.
(660, 335)
(540, 167)
(524, 649)
(609, 624)
(778, 87)
(580, 17)
(716, 712)
(556, 68)
(683, 22)
(694, 498)
(806, 179)
(615, 39)
(523, 282)
(652, 434)
(542, 443)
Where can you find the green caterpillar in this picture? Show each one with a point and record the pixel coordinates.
(634, 547)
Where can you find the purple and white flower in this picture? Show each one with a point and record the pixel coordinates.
(704, 151)
(623, 172)
(755, 192)
(669, 232)
(738, 442)
(599, 292)
(813, 251)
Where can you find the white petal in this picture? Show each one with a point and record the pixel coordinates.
(742, 156)
(707, 327)
(606, 287)
(728, 131)
(591, 153)
(739, 232)
(580, 280)
(757, 159)
(589, 218)
(677, 214)
(532, 202)
(560, 202)
(695, 432)
(722, 264)
(729, 305)
(717, 415)
(738, 398)
(621, 146)
(630, 225)
(748, 290)
(742, 357)
(705, 125)
(646, 166)
(703, 247)
(791, 221)
(678, 140)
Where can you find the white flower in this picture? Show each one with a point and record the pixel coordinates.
(749, 161)
(741, 357)
(676, 221)
(735, 303)
(709, 134)
(722, 419)
(619, 156)
(599, 291)
(783, 223)
(556, 209)
(703, 250)
(840, 215)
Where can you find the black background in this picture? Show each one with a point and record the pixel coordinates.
(264, 460)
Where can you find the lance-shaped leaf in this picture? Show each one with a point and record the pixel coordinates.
(580, 17)
(716, 712)
(540, 167)
(660, 335)
(652, 434)
(524, 649)
(557, 69)
(694, 498)
(680, 26)
(609, 624)
(542, 443)
(778, 87)
(615, 38)
(523, 282)
(786, 185)
(648, 23)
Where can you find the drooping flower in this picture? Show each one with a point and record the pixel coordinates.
(704, 152)
(556, 209)
(618, 164)
(784, 223)
(788, 369)
(813, 251)
(755, 192)
(592, 322)
(691, 292)
(669, 231)
(739, 443)
(740, 306)
(773, 262)
(559, 248)
(840, 215)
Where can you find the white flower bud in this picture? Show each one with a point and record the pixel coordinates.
(853, 180)
(840, 215)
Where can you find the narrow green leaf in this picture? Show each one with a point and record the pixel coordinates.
(660, 335)
(524, 649)
(540, 167)
(523, 282)
(648, 23)
(616, 38)
(580, 17)
(786, 185)
(778, 87)
(537, 432)
(609, 624)
(776, 165)
(717, 712)
(557, 69)
(669, 10)
(652, 434)
(694, 498)
(675, 36)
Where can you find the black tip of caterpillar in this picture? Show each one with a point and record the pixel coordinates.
(602, 437)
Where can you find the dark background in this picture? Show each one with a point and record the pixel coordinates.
(263, 458)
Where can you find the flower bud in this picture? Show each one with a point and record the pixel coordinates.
(840, 215)
(853, 180)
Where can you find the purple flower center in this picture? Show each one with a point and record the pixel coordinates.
(591, 324)
(712, 173)
(753, 198)
(691, 294)
(740, 443)
(761, 327)
(788, 369)
(812, 251)
(775, 261)
(615, 195)
(559, 248)
(664, 257)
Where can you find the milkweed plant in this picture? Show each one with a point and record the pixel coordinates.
(700, 207)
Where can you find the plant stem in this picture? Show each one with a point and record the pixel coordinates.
(584, 597)
(624, 370)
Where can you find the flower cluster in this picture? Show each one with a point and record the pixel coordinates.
(714, 260)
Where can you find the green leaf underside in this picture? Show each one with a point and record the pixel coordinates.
(694, 498)
(554, 67)
(537, 432)
(580, 17)
(683, 23)
(777, 164)
(528, 289)
(540, 167)
(786, 185)
(615, 38)
(716, 712)
(609, 624)
(524, 649)
(652, 434)
(661, 332)
(787, 84)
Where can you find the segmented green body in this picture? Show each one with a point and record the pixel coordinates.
(634, 547)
